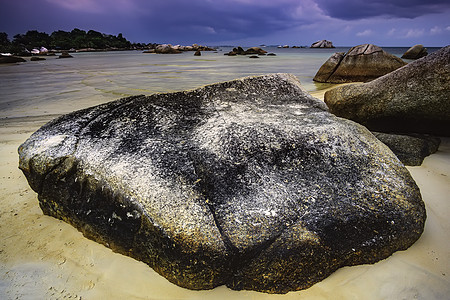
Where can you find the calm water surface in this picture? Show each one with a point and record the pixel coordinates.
(57, 86)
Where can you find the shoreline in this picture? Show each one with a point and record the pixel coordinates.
(42, 257)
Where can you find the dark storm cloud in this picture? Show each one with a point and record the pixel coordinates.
(217, 20)
(359, 9)
(157, 19)
(182, 21)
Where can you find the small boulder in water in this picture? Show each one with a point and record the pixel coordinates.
(10, 59)
(37, 58)
(415, 52)
(65, 54)
(322, 44)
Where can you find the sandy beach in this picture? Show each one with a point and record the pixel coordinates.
(45, 258)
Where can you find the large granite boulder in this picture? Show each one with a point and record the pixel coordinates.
(361, 63)
(249, 183)
(415, 52)
(414, 98)
(322, 44)
(10, 59)
(410, 149)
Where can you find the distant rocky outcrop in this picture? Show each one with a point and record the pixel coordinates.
(415, 52)
(10, 59)
(249, 183)
(198, 53)
(322, 44)
(360, 63)
(410, 149)
(414, 98)
(250, 51)
(167, 49)
(170, 49)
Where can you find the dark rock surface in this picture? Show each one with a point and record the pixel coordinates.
(249, 51)
(65, 54)
(37, 58)
(249, 183)
(198, 53)
(322, 44)
(414, 98)
(328, 68)
(4, 59)
(410, 149)
(415, 52)
(360, 63)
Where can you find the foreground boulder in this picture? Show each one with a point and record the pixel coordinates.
(249, 183)
(360, 63)
(322, 44)
(415, 52)
(413, 99)
(410, 149)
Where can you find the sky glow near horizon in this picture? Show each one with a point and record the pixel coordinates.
(243, 22)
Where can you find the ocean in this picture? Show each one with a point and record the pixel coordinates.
(57, 86)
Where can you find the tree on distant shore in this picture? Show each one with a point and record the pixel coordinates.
(63, 40)
(4, 39)
(32, 39)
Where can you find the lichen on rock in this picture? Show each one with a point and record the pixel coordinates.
(250, 183)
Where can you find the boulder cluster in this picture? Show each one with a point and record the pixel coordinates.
(409, 101)
(414, 98)
(170, 49)
(249, 51)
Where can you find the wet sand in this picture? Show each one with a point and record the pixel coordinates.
(45, 258)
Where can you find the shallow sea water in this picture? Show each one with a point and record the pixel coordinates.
(57, 86)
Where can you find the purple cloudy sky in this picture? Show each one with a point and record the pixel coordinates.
(243, 22)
